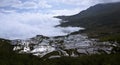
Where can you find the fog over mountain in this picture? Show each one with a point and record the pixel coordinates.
(59, 32)
(27, 18)
(26, 25)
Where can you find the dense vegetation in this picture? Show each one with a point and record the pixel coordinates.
(8, 57)
(101, 21)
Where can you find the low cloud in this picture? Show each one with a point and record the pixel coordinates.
(26, 25)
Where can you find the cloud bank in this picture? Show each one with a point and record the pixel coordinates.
(26, 25)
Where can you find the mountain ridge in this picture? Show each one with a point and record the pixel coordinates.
(100, 21)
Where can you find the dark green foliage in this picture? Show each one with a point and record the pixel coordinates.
(112, 59)
(8, 57)
(49, 54)
(112, 37)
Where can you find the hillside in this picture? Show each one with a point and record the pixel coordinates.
(101, 21)
(9, 57)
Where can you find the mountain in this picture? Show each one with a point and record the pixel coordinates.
(101, 21)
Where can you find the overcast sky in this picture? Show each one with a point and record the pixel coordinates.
(59, 7)
(27, 18)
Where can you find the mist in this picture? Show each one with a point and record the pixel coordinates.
(27, 25)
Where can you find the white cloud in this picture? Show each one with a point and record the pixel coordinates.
(83, 3)
(44, 4)
(51, 4)
(26, 25)
(65, 11)
(33, 5)
(25, 5)
(7, 11)
(107, 1)
(77, 2)
(4, 3)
